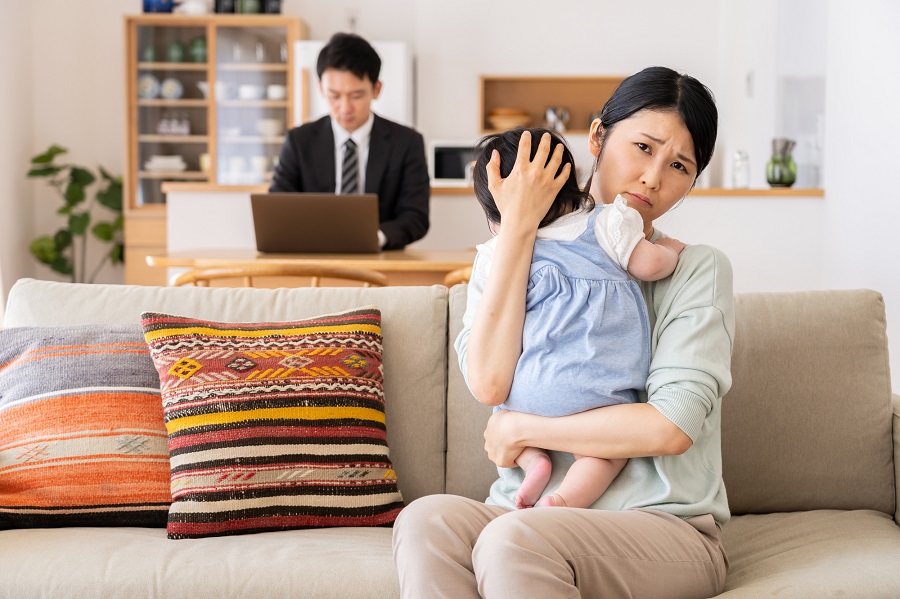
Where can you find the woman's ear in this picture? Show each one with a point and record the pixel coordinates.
(595, 138)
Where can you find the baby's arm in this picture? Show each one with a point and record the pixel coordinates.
(654, 261)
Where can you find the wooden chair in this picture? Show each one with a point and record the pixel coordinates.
(201, 277)
(460, 275)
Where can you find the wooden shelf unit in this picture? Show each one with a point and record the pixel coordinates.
(581, 95)
(226, 38)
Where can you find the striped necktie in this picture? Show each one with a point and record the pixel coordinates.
(350, 170)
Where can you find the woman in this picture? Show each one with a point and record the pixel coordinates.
(655, 532)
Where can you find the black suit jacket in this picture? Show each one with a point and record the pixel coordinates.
(396, 171)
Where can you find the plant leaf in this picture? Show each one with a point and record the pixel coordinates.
(81, 176)
(119, 223)
(104, 231)
(44, 249)
(44, 171)
(62, 239)
(74, 194)
(63, 265)
(78, 223)
(111, 197)
(117, 254)
(64, 210)
(48, 156)
(111, 178)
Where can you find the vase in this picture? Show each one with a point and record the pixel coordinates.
(781, 170)
(198, 50)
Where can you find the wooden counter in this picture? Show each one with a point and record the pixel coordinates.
(403, 267)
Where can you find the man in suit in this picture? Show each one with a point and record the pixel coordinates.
(354, 150)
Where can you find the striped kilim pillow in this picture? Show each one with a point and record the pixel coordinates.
(82, 439)
(274, 426)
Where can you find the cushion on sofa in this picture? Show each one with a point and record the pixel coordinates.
(274, 426)
(82, 441)
(807, 423)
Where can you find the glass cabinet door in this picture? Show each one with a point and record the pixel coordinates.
(252, 102)
(171, 111)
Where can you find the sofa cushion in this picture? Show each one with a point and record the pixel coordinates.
(274, 426)
(82, 441)
(414, 325)
(807, 423)
(809, 555)
(77, 563)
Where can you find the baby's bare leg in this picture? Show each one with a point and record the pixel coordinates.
(536, 464)
(586, 480)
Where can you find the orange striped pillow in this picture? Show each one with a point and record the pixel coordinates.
(274, 426)
(82, 440)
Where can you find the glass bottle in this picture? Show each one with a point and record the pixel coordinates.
(740, 172)
(781, 171)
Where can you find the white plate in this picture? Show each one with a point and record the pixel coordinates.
(171, 89)
(148, 86)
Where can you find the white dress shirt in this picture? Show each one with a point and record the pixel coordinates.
(361, 138)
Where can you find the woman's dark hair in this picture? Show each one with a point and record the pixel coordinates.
(661, 88)
(350, 52)
(569, 198)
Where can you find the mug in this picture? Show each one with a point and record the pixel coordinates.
(276, 92)
(270, 127)
(259, 164)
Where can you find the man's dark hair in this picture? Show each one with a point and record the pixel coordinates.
(350, 52)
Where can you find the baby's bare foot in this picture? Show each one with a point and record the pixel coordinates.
(554, 500)
(537, 475)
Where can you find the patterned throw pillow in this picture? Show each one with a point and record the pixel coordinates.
(274, 426)
(82, 439)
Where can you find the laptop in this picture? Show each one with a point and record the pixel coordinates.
(315, 223)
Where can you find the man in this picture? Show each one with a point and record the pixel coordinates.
(354, 150)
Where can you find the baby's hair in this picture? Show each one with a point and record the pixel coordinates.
(569, 198)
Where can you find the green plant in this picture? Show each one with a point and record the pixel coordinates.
(66, 250)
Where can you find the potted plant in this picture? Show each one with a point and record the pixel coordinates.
(66, 250)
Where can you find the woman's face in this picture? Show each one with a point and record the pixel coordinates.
(648, 158)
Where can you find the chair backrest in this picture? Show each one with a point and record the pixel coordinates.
(458, 276)
(201, 277)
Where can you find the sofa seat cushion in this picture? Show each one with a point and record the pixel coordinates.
(70, 563)
(822, 553)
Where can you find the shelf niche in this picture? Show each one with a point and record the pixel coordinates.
(581, 95)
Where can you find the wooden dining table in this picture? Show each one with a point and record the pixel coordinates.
(402, 267)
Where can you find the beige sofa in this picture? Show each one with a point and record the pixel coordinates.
(810, 452)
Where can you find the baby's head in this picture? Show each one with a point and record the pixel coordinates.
(569, 198)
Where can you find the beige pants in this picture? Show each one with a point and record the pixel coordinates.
(451, 546)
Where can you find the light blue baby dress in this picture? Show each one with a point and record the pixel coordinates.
(586, 340)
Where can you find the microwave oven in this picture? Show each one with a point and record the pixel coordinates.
(450, 163)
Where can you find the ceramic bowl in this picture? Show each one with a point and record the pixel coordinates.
(251, 92)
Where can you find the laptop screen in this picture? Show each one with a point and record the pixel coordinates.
(315, 223)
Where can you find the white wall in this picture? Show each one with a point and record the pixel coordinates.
(859, 240)
(16, 136)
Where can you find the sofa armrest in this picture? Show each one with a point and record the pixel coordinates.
(896, 402)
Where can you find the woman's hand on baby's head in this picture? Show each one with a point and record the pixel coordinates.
(525, 196)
